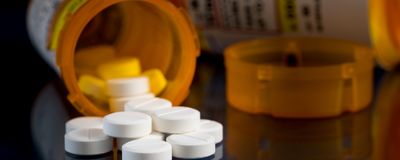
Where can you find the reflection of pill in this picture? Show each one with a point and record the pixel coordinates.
(106, 156)
(127, 87)
(120, 68)
(157, 80)
(212, 128)
(176, 120)
(219, 152)
(153, 135)
(148, 106)
(127, 124)
(147, 149)
(92, 86)
(193, 145)
(83, 122)
(117, 104)
(88, 141)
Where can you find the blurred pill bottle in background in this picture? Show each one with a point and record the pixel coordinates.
(373, 22)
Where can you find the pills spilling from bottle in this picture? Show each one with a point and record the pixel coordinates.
(157, 80)
(126, 87)
(83, 122)
(147, 149)
(143, 126)
(147, 106)
(212, 128)
(192, 145)
(176, 120)
(139, 132)
(117, 104)
(109, 81)
(87, 141)
(127, 125)
(120, 68)
(153, 135)
(93, 87)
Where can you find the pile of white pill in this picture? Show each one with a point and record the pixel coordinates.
(149, 128)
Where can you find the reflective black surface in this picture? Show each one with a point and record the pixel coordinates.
(34, 110)
(358, 135)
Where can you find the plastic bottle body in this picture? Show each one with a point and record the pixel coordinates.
(143, 29)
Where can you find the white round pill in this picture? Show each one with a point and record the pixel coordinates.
(148, 106)
(87, 141)
(127, 87)
(83, 122)
(117, 104)
(193, 145)
(176, 120)
(212, 128)
(147, 149)
(127, 124)
(153, 135)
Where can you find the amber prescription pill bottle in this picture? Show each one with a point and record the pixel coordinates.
(303, 77)
(157, 32)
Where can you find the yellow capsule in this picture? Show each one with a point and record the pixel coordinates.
(158, 82)
(120, 68)
(93, 87)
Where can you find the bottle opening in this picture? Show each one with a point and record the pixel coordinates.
(293, 77)
(155, 32)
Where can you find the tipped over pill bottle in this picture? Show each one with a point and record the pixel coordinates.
(156, 32)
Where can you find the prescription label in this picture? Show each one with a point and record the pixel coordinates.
(239, 15)
(223, 22)
(39, 20)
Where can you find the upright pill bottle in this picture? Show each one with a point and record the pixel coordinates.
(157, 32)
(372, 22)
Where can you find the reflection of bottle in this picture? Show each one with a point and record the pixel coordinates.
(386, 126)
(223, 22)
(261, 137)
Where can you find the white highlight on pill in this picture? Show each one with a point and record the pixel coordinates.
(193, 145)
(153, 135)
(117, 104)
(127, 87)
(87, 141)
(176, 120)
(212, 128)
(147, 149)
(127, 124)
(83, 122)
(148, 106)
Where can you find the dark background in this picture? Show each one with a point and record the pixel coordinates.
(23, 74)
